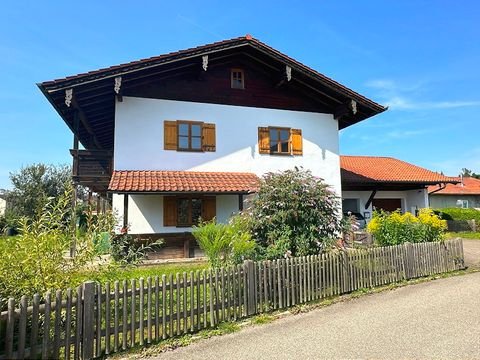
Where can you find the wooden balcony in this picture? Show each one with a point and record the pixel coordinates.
(92, 168)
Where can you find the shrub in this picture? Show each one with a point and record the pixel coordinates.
(395, 228)
(126, 251)
(458, 214)
(37, 259)
(294, 213)
(225, 244)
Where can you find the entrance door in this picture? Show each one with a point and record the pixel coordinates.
(387, 204)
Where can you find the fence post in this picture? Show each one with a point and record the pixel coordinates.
(88, 319)
(249, 268)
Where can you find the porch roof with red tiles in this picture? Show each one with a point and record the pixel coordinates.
(151, 181)
(374, 169)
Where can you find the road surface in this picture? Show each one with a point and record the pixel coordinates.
(433, 320)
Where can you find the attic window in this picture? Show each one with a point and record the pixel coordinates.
(237, 79)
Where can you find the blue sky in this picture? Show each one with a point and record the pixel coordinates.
(419, 57)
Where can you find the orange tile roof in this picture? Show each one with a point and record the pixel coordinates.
(182, 181)
(373, 169)
(469, 186)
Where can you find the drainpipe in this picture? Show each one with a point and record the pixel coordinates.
(442, 186)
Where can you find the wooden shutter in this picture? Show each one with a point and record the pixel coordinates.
(170, 135)
(263, 140)
(208, 137)
(209, 208)
(297, 142)
(169, 211)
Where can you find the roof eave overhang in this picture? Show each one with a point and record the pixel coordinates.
(133, 192)
(389, 185)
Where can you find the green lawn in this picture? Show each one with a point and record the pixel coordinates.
(464, 235)
(138, 272)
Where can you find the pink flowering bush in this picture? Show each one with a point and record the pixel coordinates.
(293, 214)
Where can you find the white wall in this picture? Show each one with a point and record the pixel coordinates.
(411, 199)
(139, 138)
(3, 206)
(145, 213)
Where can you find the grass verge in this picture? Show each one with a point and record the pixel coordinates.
(231, 327)
(133, 272)
(464, 235)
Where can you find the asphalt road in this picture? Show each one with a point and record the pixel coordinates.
(435, 320)
(471, 249)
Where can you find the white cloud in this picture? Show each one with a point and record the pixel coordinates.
(404, 97)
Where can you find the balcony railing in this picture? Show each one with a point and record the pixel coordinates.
(92, 168)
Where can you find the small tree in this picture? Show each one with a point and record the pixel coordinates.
(33, 186)
(294, 213)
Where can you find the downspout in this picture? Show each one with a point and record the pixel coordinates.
(442, 186)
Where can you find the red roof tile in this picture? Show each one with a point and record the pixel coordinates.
(469, 186)
(370, 169)
(182, 181)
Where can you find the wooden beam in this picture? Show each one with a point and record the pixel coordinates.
(76, 124)
(349, 108)
(370, 199)
(83, 118)
(125, 212)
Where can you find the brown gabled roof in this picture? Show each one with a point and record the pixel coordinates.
(116, 70)
(373, 169)
(182, 182)
(465, 186)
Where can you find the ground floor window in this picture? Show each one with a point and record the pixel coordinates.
(189, 211)
(186, 211)
(462, 204)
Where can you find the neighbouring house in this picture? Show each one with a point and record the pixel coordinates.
(464, 194)
(176, 137)
(384, 183)
(3, 205)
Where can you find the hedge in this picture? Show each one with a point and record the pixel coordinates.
(458, 214)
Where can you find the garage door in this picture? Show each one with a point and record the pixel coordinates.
(387, 204)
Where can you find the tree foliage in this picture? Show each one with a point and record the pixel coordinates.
(294, 213)
(33, 186)
(469, 173)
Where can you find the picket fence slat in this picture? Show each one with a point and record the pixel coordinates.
(98, 320)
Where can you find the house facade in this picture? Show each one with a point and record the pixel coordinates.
(464, 194)
(383, 183)
(183, 136)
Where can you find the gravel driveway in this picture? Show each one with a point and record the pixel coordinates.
(437, 319)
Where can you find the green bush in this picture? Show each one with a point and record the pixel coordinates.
(224, 244)
(37, 259)
(396, 228)
(458, 214)
(294, 213)
(126, 251)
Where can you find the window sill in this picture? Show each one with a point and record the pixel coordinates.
(190, 150)
(280, 154)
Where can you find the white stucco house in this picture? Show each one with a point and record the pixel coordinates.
(185, 135)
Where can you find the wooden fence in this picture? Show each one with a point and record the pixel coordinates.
(99, 319)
